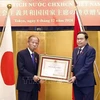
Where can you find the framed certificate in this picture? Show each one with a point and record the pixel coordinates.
(54, 68)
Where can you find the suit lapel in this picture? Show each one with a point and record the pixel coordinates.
(29, 57)
(76, 51)
(81, 54)
(30, 60)
(77, 58)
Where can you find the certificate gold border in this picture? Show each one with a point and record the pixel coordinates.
(55, 58)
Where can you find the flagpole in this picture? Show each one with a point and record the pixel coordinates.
(9, 6)
(76, 8)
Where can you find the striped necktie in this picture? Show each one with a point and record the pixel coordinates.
(33, 59)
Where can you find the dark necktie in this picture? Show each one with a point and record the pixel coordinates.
(33, 60)
(79, 52)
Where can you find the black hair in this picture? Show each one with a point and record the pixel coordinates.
(85, 34)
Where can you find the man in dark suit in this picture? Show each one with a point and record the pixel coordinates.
(27, 62)
(82, 63)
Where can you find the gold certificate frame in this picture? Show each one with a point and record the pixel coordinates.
(54, 68)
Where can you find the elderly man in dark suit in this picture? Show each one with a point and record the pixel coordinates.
(83, 76)
(27, 62)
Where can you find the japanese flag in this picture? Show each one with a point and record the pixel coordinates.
(7, 83)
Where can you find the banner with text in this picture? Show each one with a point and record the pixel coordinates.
(50, 12)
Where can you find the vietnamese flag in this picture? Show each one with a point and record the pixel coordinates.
(78, 27)
(7, 82)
